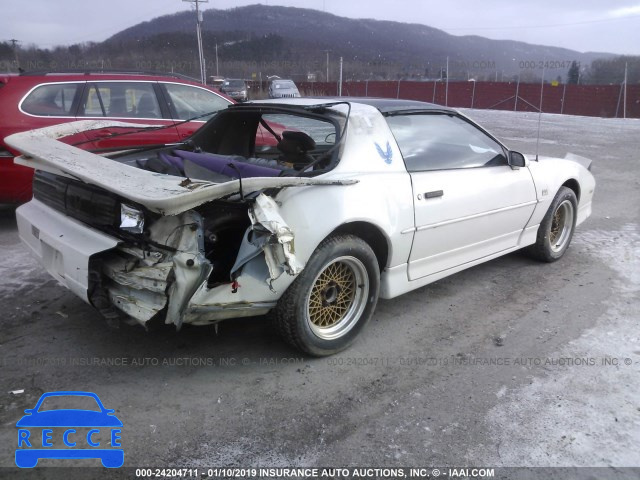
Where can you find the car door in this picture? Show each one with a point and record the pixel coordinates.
(469, 203)
(191, 102)
(131, 102)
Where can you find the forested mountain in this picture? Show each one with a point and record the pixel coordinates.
(259, 40)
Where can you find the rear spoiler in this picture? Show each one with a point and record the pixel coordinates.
(585, 162)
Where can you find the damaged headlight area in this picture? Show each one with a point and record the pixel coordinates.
(157, 274)
(218, 260)
(185, 268)
(131, 219)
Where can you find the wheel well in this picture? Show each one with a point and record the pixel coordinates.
(370, 234)
(573, 185)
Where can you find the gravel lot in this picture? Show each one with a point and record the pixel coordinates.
(511, 363)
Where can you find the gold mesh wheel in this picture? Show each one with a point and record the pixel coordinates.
(561, 226)
(337, 298)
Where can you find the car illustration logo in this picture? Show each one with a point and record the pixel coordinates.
(69, 433)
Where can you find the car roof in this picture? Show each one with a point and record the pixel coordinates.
(36, 77)
(388, 105)
(383, 105)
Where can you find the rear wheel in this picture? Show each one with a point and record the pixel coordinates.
(325, 308)
(556, 229)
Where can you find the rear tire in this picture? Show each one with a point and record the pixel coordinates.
(325, 308)
(556, 228)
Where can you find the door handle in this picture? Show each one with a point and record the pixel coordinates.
(433, 194)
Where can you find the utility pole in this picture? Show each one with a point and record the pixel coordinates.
(217, 69)
(327, 65)
(203, 68)
(14, 45)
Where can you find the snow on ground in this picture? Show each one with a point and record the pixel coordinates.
(565, 418)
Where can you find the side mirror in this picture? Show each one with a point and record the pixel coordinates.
(517, 160)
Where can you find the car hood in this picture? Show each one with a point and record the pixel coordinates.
(69, 418)
(164, 194)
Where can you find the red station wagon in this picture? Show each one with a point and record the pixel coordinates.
(30, 101)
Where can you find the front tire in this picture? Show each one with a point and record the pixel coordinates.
(557, 227)
(325, 308)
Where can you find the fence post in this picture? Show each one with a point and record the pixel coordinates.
(446, 89)
(398, 91)
(340, 80)
(564, 91)
(624, 105)
(366, 88)
(434, 92)
(515, 106)
(541, 90)
(619, 98)
(473, 94)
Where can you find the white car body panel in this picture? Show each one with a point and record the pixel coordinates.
(63, 245)
(549, 174)
(469, 221)
(482, 214)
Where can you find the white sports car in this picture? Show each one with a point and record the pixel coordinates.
(360, 199)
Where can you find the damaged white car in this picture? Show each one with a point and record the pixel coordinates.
(360, 199)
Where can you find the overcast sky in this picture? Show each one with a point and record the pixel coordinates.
(583, 25)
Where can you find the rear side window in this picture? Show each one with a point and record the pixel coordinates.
(191, 102)
(51, 100)
(120, 100)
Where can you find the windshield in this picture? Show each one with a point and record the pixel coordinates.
(234, 83)
(284, 84)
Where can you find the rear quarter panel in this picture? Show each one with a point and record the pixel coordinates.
(382, 197)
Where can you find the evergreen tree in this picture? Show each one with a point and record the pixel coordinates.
(573, 76)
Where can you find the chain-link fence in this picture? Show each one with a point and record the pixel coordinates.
(586, 100)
